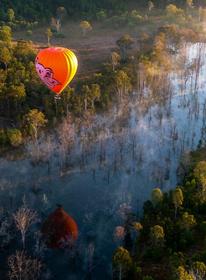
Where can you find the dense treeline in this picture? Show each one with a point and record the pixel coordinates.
(169, 241)
(35, 9)
(27, 105)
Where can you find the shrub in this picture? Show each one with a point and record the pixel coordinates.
(59, 35)
(15, 137)
(3, 137)
(101, 15)
(29, 32)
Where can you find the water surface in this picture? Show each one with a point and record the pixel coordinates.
(113, 165)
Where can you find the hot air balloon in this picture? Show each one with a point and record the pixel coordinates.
(59, 229)
(56, 67)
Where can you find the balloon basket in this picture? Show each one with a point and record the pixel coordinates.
(57, 97)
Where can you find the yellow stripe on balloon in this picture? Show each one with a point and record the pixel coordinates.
(56, 67)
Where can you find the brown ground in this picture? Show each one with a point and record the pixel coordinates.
(93, 49)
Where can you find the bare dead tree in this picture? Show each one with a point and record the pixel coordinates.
(47, 149)
(24, 218)
(66, 135)
(6, 233)
(119, 233)
(23, 267)
(40, 246)
(90, 256)
(198, 62)
(140, 78)
(102, 153)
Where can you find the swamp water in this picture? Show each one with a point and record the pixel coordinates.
(113, 166)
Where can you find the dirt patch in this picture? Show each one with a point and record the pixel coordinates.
(93, 49)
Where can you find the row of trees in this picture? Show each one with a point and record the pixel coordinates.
(169, 241)
(131, 18)
(37, 10)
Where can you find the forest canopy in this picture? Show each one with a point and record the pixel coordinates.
(36, 10)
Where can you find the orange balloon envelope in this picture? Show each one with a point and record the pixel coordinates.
(56, 67)
(59, 229)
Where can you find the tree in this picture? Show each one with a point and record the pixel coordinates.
(143, 40)
(15, 137)
(137, 226)
(119, 233)
(157, 235)
(49, 35)
(122, 84)
(29, 33)
(182, 274)
(85, 27)
(101, 15)
(61, 16)
(24, 52)
(10, 15)
(200, 173)
(150, 6)
(189, 4)
(115, 59)
(172, 11)
(23, 267)
(122, 260)
(24, 218)
(5, 55)
(200, 9)
(160, 44)
(157, 196)
(61, 13)
(125, 43)
(160, 52)
(55, 24)
(200, 176)
(177, 199)
(5, 34)
(203, 228)
(86, 93)
(17, 92)
(34, 120)
(199, 270)
(66, 135)
(135, 17)
(95, 93)
(66, 97)
(3, 137)
(188, 221)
